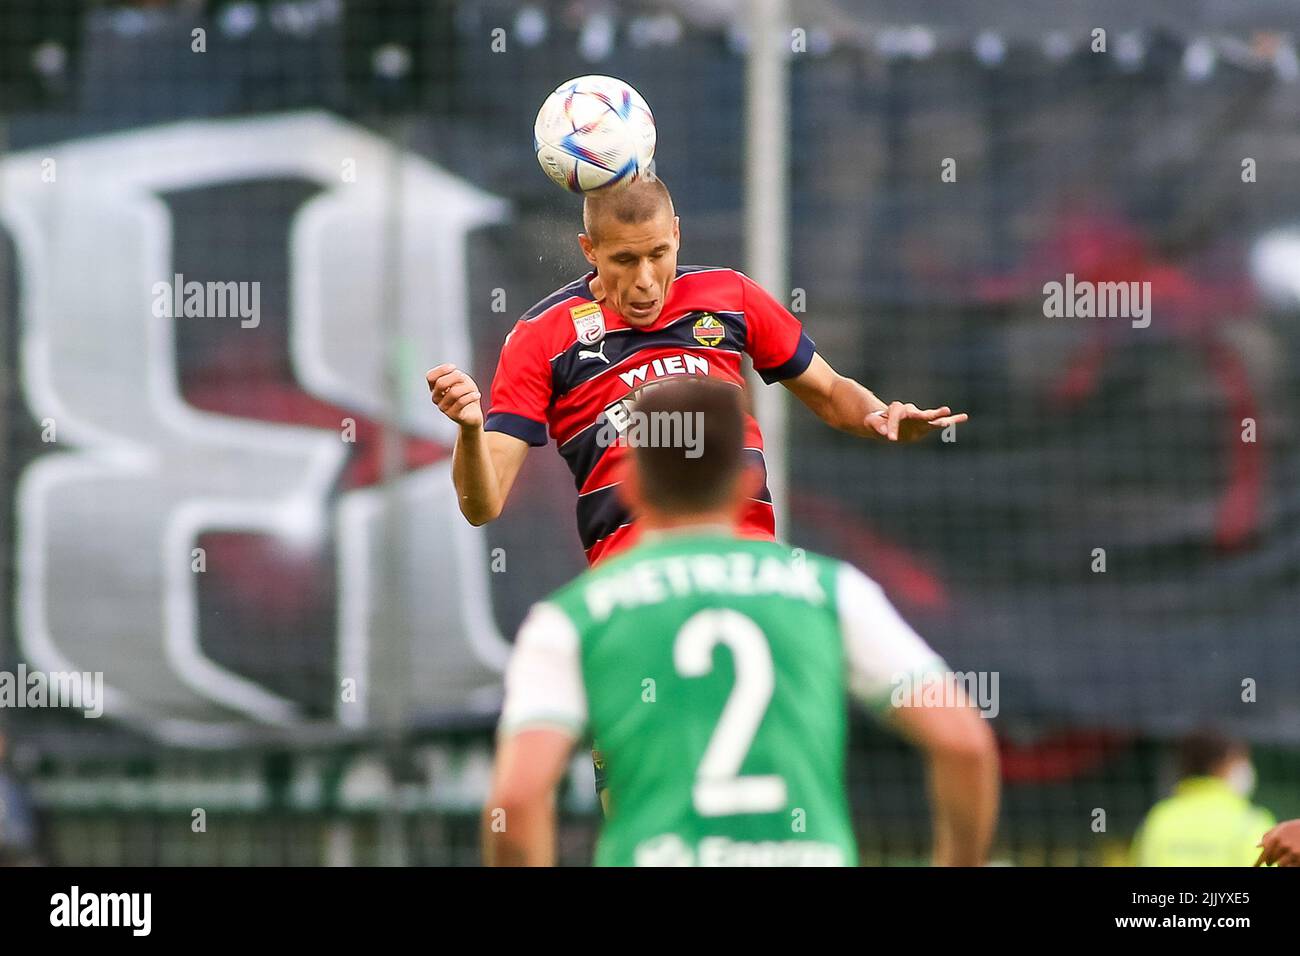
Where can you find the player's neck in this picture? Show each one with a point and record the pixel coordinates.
(720, 522)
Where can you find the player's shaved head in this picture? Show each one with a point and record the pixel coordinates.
(671, 481)
(637, 202)
(632, 239)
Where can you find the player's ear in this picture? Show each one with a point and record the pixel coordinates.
(630, 489)
(748, 484)
(588, 247)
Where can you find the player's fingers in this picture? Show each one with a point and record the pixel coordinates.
(438, 386)
(1260, 861)
(911, 413)
(879, 420)
(462, 397)
(1277, 849)
(1270, 848)
(450, 379)
(896, 412)
(930, 414)
(458, 409)
(949, 420)
(437, 372)
(453, 394)
(443, 386)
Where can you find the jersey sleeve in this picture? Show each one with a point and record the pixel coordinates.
(881, 650)
(544, 685)
(521, 388)
(774, 338)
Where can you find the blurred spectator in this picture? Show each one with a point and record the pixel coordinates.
(1209, 820)
(17, 818)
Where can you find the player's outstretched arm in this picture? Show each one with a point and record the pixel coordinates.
(484, 464)
(963, 775)
(842, 403)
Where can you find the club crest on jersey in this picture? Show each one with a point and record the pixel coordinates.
(588, 322)
(708, 330)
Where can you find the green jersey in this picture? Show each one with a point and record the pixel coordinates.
(711, 670)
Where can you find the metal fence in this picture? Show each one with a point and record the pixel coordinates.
(247, 526)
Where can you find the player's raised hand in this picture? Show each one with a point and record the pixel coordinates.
(456, 395)
(904, 422)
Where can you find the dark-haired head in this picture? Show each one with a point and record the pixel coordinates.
(706, 481)
(1206, 753)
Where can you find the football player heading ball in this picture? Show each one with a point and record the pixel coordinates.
(576, 361)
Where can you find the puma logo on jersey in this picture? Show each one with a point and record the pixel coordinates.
(599, 353)
(684, 364)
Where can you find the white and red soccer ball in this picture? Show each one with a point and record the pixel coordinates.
(594, 132)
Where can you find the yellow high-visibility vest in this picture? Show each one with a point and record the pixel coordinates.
(1204, 823)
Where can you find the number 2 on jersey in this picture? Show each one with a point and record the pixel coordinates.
(720, 790)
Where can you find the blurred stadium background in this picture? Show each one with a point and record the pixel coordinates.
(319, 677)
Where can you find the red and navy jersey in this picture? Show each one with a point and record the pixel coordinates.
(559, 374)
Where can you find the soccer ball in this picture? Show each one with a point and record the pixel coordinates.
(594, 132)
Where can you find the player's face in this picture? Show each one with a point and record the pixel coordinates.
(635, 263)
